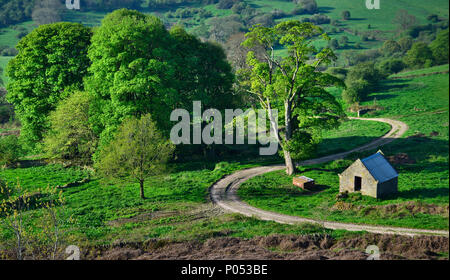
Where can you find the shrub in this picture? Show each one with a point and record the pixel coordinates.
(343, 40)
(361, 80)
(10, 150)
(309, 6)
(357, 91)
(334, 44)
(320, 19)
(9, 52)
(298, 10)
(405, 43)
(390, 47)
(418, 55)
(70, 136)
(391, 66)
(225, 4)
(439, 48)
(345, 15)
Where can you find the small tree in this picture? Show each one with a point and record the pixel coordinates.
(334, 44)
(390, 47)
(405, 43)
(404, 20)
(345, 15)
(70, 136)
(10, 150)
(137, 152)
(343, 41)
(47, 11)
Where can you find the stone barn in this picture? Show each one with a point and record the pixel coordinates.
(372, 176)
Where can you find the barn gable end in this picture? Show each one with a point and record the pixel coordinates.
(372, 176)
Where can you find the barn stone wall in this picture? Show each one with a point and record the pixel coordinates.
(347, 180)
(388, 187)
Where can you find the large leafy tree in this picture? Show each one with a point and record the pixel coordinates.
(293, 84)
(51, 63)
(201, 72)
(139, 67)
(137, 152)
(130, 69)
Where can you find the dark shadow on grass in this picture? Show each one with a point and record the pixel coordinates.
(422, 192)
(391, 85)
(383, 96)
(325, 10)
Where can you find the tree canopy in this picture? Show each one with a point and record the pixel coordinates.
(139, 67)
(51, 63)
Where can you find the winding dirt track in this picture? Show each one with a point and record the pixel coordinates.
(224, 192)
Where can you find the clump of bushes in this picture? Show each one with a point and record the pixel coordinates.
(308, 6)
(71, 137)
(190, 13)
(226, 4)
(10, 150)
(361, 80)
(391, 66)
(419, 56)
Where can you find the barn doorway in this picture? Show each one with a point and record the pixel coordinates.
(357, 183)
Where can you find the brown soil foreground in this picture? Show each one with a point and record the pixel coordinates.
(280, 247)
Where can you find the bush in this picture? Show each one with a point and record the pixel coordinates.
(390, 47)
(345, 15)
(334, 44)
(405, 43)
(357, 91)
(298, 10)
(309, 6)
(70, 136)
(9, 52)
(343, 41)
(10, 150)
(419, 55)
(225, 4)
(439, 48)
(320, 19)
(365, 71)
(361, 80)
(391, 66)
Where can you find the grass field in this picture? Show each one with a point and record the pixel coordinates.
(175, 207)
(422, 103)
(177, 204)
(426, 71)
(3, 62)
(351, 134)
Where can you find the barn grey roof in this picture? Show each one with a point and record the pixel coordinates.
(379, 167)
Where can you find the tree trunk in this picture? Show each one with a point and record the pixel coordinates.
(141, 185)
(290, 168)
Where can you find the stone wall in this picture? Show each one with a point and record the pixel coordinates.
(347, 180)
(387, 188)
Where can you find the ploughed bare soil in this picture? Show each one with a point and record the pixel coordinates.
(280, 247)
